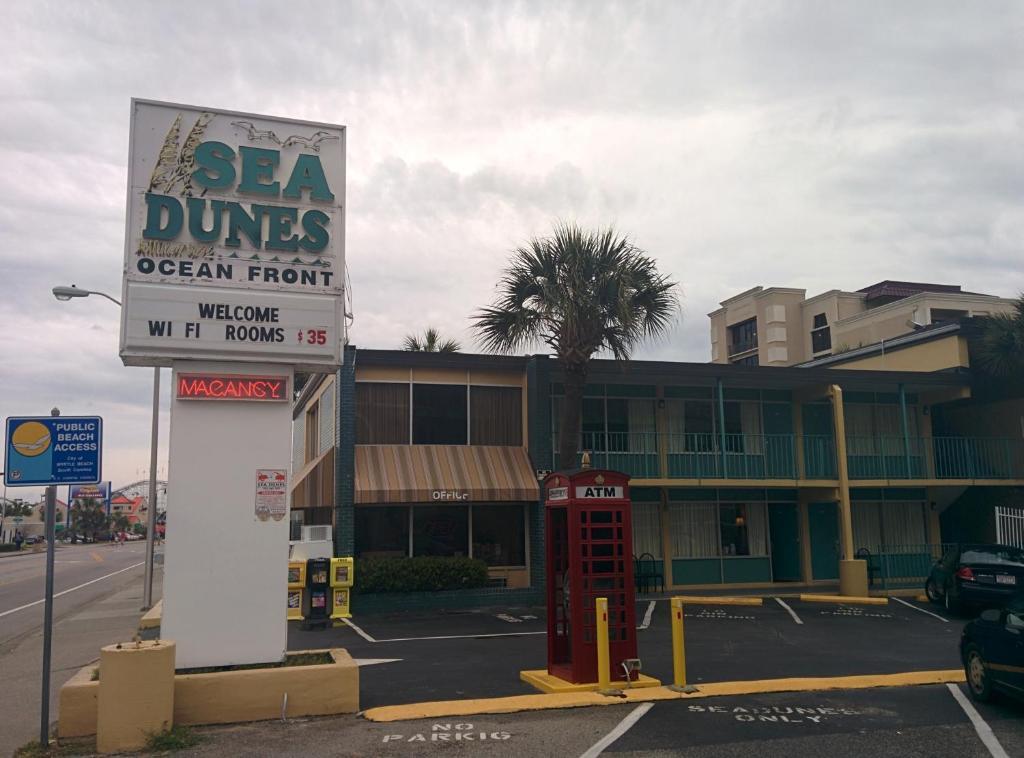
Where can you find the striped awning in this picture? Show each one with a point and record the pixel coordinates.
(443, 473)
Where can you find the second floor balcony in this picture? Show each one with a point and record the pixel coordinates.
(649, 455)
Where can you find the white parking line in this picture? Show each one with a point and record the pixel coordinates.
(789, 610)
(72, 589)
(455, 636)
(647, 616)
(922, 610)
(623, 726)
(985, 733)
(357, 630)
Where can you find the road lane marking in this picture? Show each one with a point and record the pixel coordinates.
(985, 733)
(454, 636)
(647, 616)
(352, 625)
(922, 610)
(789, 610)
(374, 661)
(72, 589)
(623, 726)
(96, 557)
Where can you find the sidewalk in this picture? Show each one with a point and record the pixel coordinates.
(77, 639)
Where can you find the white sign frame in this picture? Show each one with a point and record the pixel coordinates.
(166, 282)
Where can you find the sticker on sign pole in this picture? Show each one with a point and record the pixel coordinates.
(271, 493)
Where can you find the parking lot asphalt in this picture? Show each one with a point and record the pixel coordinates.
(479, 653)
(914, 721)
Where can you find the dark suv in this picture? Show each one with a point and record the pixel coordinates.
(976, 576)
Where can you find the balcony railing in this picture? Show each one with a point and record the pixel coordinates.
(900, 565)
(774, 456)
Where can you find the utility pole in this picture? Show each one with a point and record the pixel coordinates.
(51, 521)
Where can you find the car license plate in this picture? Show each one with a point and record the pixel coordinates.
(1005, 579)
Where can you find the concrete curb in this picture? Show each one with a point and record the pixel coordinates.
(517, 703)
(717, 600)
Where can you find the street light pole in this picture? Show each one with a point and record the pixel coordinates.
(66, 293)
(147, 599)
(51, 530)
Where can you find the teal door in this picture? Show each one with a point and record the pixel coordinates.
(823, 519)
(784, 532)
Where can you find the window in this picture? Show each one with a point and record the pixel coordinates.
(499, 535)
(646, 529)
(710, 530)
(382, 413)
(496, 416)
(440, 530)
(439, 414)
(382, 532)
(312, 446)
(891, 527)
(743, 336)
(750, 360)
(743, 528)
(821, 334)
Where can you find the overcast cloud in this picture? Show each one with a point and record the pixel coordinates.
(805, 144)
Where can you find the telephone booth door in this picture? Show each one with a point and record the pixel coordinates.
(589, 555)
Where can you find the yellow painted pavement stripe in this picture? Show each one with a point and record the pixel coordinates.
(96, 557)
(845, 599)
(516, 703)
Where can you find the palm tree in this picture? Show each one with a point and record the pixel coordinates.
(580, 292)
(999, 348)
(430, 343)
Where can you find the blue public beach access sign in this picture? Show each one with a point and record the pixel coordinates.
(44, 450)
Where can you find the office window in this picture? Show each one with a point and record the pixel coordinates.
(743, 336)
(440, 530)
(821, 334)
(499, 535)
(382, 532)
(312, 443)
(439, 414)
(382, 413)
(496, 416)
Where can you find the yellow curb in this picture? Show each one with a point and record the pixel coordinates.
(845, 599)
(712, 600)
(151, 618)
(922, 599)
(517, 703)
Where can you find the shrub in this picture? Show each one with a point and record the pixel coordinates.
(8, 547)
(421, 574)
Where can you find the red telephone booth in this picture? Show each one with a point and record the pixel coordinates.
(589, 555)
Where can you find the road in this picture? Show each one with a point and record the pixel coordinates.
(102, 588)
(82, 572)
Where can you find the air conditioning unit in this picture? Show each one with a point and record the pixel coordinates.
(318, 533)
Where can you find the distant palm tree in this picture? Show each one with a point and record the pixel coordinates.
(580, 292)
(430, 343)
(999, 348)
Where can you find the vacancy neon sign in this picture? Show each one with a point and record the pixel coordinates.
(231, 387)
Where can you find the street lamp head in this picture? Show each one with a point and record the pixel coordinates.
(66, 293)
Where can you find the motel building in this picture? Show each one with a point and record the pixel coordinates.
(735, 468)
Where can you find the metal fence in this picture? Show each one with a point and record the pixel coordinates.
(901, 565)
(1010, 526)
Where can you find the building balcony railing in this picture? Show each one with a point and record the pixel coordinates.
(746, 346)
(648, 455)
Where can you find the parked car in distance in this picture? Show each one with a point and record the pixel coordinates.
(992, 651)
(976, 576)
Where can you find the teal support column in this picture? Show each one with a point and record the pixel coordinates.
(906, 432)
(721, 426)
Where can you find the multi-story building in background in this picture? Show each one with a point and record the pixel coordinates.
(780, 326)
(735, 468)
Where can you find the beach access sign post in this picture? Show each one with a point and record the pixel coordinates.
(51, 450)
(234, 276)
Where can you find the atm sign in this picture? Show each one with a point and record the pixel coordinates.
(595, 491)
(232, 387)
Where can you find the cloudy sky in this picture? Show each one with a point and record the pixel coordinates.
(804, 144)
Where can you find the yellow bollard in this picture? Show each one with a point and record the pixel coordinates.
(604, 677)
(678, 650)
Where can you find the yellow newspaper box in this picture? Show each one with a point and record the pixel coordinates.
(342, 576)
(296, 586)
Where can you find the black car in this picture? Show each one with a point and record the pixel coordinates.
(976, 576)
(992, 651)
